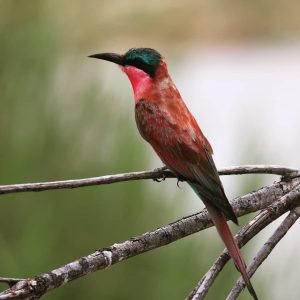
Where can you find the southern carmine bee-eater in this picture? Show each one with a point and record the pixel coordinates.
(165, 122)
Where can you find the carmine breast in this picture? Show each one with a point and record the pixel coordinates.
(152, 123)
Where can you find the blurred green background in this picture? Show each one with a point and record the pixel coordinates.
(64, 116)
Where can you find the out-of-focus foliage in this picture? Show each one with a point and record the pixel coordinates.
(58, 121)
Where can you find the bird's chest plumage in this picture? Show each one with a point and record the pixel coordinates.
(168, 129)
(154, 124)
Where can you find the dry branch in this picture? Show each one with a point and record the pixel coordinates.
(265, 251)
(287, 191)
(271, 213)
(157, 174)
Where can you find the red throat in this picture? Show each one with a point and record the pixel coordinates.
(140, 80)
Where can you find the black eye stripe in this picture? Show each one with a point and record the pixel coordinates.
(149, 69)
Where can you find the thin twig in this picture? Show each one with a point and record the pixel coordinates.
(259, 169)
(76, 183)
(102, 259)
(202, 287)
(159, 173)
(265, 251)
(267, 216)
(10, 281)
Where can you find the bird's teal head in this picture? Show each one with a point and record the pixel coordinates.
(145, 59)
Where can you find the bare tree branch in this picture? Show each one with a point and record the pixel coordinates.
(202, 287)
(10, 281)
(287, 191)
(265, 251)
(159, 173)
(266, 217)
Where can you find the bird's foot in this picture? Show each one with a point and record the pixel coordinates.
(180, 179)
(161, 169)
(163, 176)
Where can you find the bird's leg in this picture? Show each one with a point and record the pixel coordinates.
(161, 169)
(180, 179)
(163, 176)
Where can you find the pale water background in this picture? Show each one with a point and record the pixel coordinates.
(248, 98)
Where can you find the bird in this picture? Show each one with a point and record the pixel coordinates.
(166, 123)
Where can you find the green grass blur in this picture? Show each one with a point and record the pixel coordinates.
(57, 124)
(57, 121)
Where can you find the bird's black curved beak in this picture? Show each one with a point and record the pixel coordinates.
(113, 57)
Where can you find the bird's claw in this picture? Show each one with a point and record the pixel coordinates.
(161, 169)
(163, 176)
(179, 179)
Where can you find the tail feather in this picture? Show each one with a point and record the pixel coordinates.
(221, 224)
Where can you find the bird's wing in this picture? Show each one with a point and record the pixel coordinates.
(203, 175)
(180, 144)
